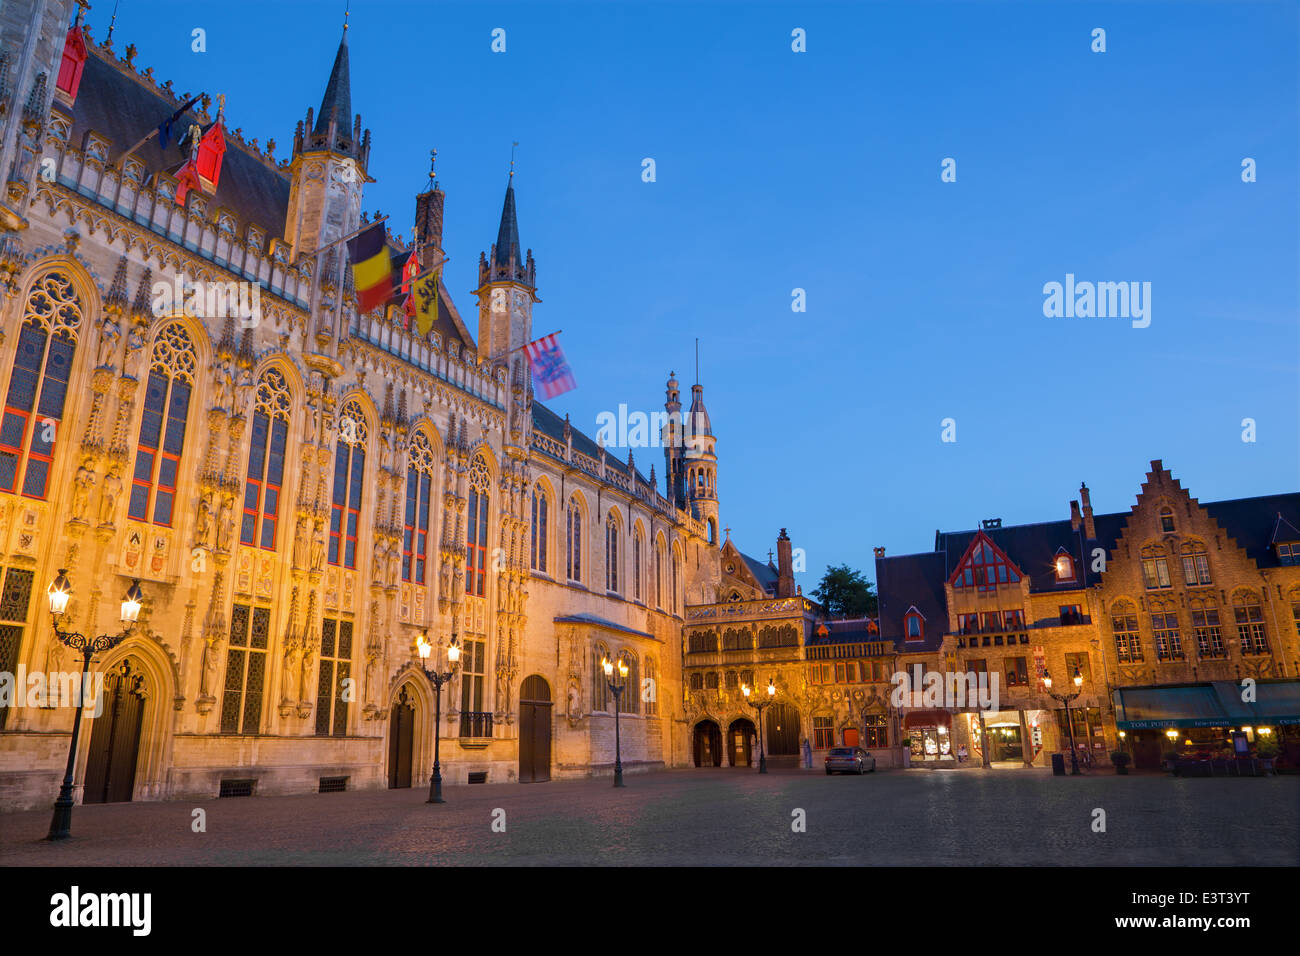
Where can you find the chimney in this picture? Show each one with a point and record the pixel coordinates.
(428, 226)
(1076, 519)
(785, 566)
(1089, 526)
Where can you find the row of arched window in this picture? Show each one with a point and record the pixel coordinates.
(639, 693)
(53, 320)
(1207, 623)
(645, 579)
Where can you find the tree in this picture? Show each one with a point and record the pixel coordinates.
(844, 592)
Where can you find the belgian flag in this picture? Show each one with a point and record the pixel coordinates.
(372, 267)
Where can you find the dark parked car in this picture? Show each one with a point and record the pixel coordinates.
(849, 760)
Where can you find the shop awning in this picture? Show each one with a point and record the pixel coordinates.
(1215, 704)
(1151, 708)
(1277, 702)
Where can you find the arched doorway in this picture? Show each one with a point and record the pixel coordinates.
(782, 730)
(401, 741)
(739, 748)
(115, 736)
(708, 744)
(534, 730)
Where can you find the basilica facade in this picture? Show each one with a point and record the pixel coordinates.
(304, 493)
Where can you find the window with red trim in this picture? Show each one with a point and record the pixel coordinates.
(162, 427)
(914, 625)
(984, 567)
(349, 482)
(476, 536)
(38, 385)
(415, 528)
(265, 481)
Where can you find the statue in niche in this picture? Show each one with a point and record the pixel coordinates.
(574, 709)
(203, 526)
(301, 544)
(318, 547)
(108, 336)
(134, 352)
(82, 483)
(224, 522)
(108, 497)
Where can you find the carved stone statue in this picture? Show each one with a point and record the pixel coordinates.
(82, 483)
(108, 497)
(318, 547)
(575, 701)
(109, 333)
(134, 352)
(203, 526)
(224, 523)
(301, 544)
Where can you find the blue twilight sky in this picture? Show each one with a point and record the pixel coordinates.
(821, 170)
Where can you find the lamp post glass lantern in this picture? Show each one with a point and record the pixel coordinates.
(759, 706)
(1065, 699)
(60, 593)
(616, 677)
(437, 678)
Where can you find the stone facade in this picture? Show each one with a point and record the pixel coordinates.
(302, 494)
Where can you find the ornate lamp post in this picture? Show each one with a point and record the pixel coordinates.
(617, 684)
(437, 678)
(60, 591)
(1065, 699)
(759, 706)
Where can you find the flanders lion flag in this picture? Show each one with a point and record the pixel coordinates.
(424, 297)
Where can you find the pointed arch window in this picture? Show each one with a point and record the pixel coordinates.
(629, 702)
(659, 573)
(349, 484)
(637, 545)
(611, 552)
(38, 386)
(419, 492)
(673, 594)
(265, 479)
(573, 540)
(651, 689)
(984, 567)
(537, 550)
(599, 683)
(1063, 564)
(476, 536)
(162, 426)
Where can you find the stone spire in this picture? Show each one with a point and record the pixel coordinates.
(336, 104)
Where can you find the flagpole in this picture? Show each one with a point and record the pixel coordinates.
(496, 358)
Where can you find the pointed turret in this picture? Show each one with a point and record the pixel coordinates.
(507, 288)
(701, 464)
(324, 208)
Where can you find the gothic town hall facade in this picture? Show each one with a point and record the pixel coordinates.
(301, 491)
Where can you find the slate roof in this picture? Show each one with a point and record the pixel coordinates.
(507, 246)
(1033, 547)
(767, 576)
(124, 107)
(338, 94)
(908, 580)
(597, 621)
(847, 631)
(552, 425)
(1253, 522)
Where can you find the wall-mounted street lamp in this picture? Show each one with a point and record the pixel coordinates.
(60, 592)
(437, 678)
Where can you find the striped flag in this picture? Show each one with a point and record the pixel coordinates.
(550, 368)
(372, 267)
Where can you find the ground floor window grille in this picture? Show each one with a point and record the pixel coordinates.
(334, 688)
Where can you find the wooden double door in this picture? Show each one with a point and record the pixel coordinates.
(115, 736)
(535, 707)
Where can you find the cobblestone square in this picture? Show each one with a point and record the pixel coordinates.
(707, 817)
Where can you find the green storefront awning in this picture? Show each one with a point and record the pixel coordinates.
(1152, 708)
(1277, 702)
(1214, 704)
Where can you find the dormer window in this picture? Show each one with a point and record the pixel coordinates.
(1288, 553)
(1064, 567)
(1166, 520)
(914, 625)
